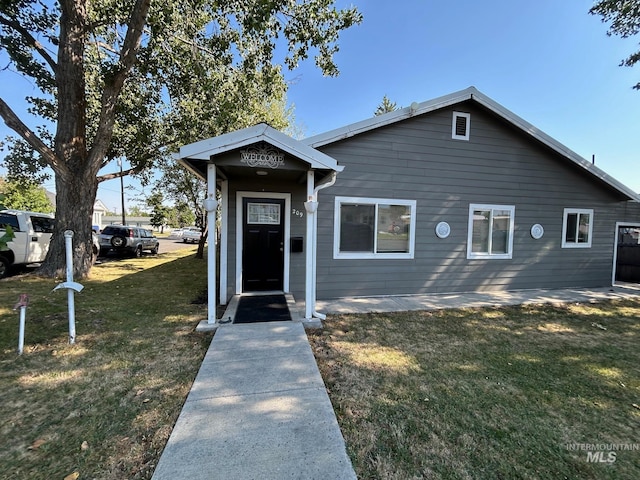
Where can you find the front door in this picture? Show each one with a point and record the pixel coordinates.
(262, 244)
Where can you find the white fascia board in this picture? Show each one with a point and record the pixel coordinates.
(389, 118)
(205, 149)
(470, 93)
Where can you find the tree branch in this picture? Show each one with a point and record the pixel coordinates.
(14, 123)
(37, 46)
(113, 85)
(111, 176)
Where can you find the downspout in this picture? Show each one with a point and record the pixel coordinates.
(312, 207)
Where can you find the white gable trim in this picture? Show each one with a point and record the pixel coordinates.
(205, 149)
(470, 93)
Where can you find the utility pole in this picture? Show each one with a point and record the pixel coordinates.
(124, 222)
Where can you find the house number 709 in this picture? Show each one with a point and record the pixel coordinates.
(297, 213)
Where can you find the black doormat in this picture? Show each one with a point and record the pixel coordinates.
(267, 308)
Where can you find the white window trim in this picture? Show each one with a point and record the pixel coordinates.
(453, 126)
(337, 254)
(491, 256)
(575, 244)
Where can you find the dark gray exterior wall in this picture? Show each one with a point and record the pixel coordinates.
(417, 159)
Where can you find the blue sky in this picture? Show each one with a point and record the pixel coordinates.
(548, 61)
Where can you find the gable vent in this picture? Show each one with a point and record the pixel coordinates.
(460, 126)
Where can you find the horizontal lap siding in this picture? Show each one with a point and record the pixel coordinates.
(417, 160)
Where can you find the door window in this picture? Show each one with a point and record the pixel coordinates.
(263, 213)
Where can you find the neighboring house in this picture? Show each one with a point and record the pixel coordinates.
(99, 212)
(456, 194)
(144, 222)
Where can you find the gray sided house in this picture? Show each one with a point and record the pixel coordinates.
(457, 194)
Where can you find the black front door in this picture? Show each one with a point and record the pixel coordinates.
(262, 244)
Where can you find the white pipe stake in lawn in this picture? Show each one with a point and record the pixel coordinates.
(22, 305)
(70, 285)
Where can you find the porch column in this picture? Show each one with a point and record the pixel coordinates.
(224, 233)
(309, 248)
(211, 251)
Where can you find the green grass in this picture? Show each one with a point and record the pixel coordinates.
(104, 407)
(458, 394)
(486, 393)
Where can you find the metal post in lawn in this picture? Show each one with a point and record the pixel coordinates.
(68, 243)
(22, 305)
(70, 285)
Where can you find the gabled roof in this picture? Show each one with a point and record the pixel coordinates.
(205, 149)
(468, 94)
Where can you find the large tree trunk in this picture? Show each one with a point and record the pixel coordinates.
(75, 198)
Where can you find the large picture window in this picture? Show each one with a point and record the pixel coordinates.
(490, 231)
(577, 228)
(374, 228)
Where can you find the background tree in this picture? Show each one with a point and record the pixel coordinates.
(136, 79)
(25, 195)
(138, 211)
(180, 215)
(623, 17)
(7, 234)
(159, 212)
(385, 106)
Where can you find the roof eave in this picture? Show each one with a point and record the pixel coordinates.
(474, 94)
(206, 149)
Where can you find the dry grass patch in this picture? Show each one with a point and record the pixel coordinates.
(486, 393)
(104, 407)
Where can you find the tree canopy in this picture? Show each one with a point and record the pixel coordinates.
(25, 195)
(623, 17)
(136, 79)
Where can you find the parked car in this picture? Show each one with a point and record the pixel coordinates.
(191, 234)
(176, 233)
(96, 245)
(123, 239)
(31, 237)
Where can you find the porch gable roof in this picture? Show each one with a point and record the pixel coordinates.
(205, 149)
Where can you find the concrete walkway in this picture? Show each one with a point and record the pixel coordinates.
(258, 408)
(469, 300)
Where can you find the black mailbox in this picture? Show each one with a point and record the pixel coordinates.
(296, 244)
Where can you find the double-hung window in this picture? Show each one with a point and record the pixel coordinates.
(490, 231)
(374, 228)
(577, 228)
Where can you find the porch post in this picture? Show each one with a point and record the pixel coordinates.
(211, 251)
(309, 249)
(224, 233)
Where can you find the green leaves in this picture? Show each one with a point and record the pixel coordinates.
(137, 79)
(623, 17)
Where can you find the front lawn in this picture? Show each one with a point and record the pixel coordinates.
(499, 393)
(104, 407)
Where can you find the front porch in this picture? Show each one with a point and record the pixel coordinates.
(262, 198)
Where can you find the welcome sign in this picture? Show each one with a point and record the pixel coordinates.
(262, 157)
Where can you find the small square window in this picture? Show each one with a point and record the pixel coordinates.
(577, 228)
(460, 126)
